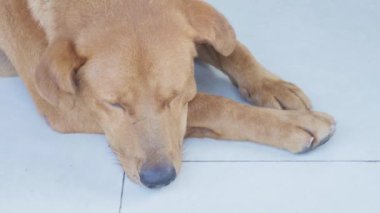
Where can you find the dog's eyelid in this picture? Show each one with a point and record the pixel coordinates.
(172, 97)
(175, 96)
(170, 100)
(116, 105)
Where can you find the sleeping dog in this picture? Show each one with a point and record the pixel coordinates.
(126, 69)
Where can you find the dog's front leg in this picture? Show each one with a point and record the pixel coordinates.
(254, 82)
(295, 131)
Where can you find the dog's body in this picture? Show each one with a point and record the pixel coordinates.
(125, 69)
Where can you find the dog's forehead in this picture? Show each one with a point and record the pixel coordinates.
(167, 37)
(121, 73)
(126, 54)
(138, 16)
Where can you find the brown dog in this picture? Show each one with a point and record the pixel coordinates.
(126, 69)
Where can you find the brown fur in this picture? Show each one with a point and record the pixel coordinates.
(125, 69)
(6, 67)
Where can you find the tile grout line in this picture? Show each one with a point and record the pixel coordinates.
(282, 161)
(122, 193)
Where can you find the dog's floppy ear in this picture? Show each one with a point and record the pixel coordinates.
(55, 74)
(211, 27)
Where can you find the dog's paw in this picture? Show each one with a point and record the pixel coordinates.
(308, 131)
(278, 94)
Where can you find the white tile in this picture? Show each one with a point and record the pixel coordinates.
(264, 188)
(330, 49)
(43, 171)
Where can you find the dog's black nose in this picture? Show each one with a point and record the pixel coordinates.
(156, 176)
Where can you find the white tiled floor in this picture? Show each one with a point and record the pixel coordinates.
(44, 171)
(263, 187)
(330, 48)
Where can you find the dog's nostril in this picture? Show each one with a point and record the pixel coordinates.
(157, 176)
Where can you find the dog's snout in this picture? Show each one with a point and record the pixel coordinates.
(156, 176)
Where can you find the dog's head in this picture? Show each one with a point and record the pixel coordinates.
(131, 64)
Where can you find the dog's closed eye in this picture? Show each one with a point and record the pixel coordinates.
(117, 106)
(177, 99)
(123, 107)
(169, 101)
